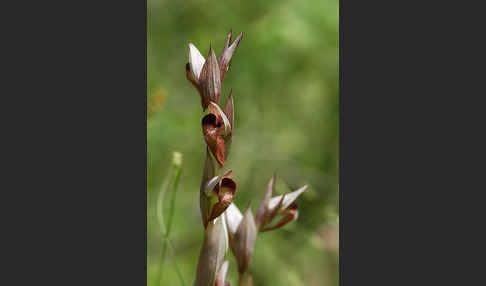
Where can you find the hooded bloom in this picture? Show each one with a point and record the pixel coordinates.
(217, 128)
(216, 193)
(284, 205)
(208, 74)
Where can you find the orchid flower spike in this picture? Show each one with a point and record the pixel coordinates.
(208, 74)
(285, 205)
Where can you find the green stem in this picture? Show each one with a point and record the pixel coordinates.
(176, 171)
(165, 241)
(177, 174)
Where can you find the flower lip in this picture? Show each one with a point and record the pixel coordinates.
(215, 126)
(210, 124)
(212, 131)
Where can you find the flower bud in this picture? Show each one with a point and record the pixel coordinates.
(242, 241)
(210, 80)
(208, 74)
(204, 75)
(214, 248)
(224, 59)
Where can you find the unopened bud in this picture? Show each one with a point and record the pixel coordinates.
(177, 159)
(242, 233)
(214, 248)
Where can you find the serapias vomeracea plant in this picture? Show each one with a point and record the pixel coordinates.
(224, 224)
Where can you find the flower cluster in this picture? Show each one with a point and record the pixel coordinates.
(207, 75)
(224, 224)
(243, 229)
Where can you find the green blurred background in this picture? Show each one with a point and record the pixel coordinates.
(285, 80)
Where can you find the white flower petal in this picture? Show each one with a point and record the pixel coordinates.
(222, 274)
(210, 185)
(196, 61)
(288, 199)
(227, 125)
(222, 220)
(233, 218)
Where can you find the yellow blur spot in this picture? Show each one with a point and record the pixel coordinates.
(157, 100)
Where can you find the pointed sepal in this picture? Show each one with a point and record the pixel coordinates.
(283, 205)
(212, 254)
(242, 243)
(210, 80)
(224, 60)
(208, 175)
(222, 274)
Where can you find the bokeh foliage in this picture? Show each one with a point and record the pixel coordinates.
(284, 77)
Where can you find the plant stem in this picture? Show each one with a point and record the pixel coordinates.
(170, 218)
(176, 171)
(177, 174)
